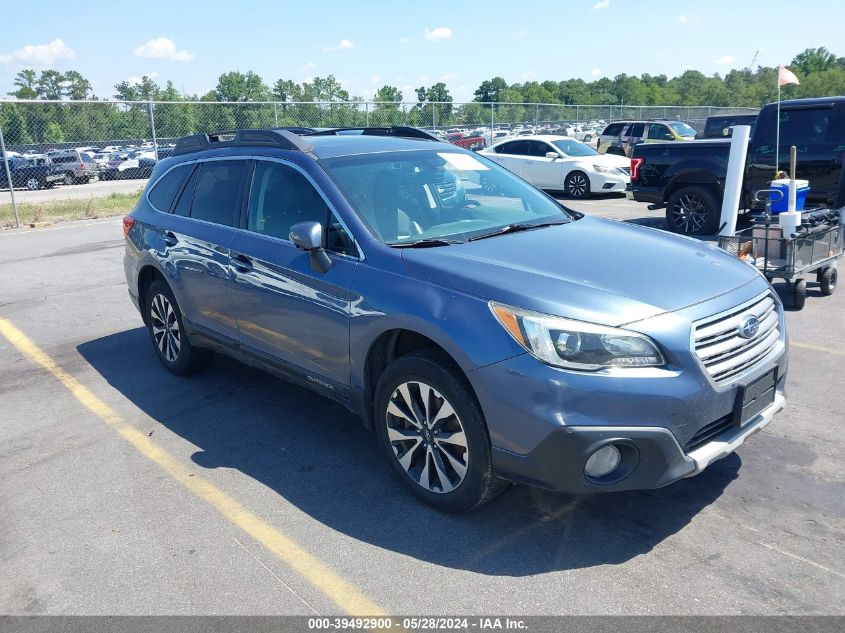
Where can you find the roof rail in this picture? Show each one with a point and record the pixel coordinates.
(280, 138)
(401, 131)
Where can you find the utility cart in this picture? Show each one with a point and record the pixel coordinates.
(812, 249)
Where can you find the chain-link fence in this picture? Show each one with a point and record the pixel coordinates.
(52, 143)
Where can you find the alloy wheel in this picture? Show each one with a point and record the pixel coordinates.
(165, 328)
(32, 184)
(690, 213)
(577, 185)
(427, 437)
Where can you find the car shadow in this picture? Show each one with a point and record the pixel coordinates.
(317, 456)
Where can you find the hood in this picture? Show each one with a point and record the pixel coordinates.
(606, 160)
(593, 270)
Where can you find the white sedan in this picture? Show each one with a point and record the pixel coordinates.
(562, 163)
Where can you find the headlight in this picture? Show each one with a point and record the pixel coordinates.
(608, 170)
(577, 344)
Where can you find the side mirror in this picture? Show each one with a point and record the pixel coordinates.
(308, 236)
(552, 155)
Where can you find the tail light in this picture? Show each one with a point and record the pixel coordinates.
(82, 166)
(636, 163)
(128, 221)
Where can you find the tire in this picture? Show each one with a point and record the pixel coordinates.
(799, 294)
(167, 333)
(828, 280)
(577, 185)
(454, 475)
(692, 211)
(587, 138)
(33, 184)
(69, 179)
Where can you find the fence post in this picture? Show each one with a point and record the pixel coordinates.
(492, 119)
(433, 119)
(9, 178)
(153, 128)
(367, 110)
(536, 114)
(276, 113)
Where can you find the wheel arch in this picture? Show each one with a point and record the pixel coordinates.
(389, 345)
(146, 276)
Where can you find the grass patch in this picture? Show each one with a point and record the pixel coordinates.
(85, 209)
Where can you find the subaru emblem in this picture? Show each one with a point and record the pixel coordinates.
(748, 326)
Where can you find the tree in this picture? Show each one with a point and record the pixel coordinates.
(75, 85)
(49, 85)
(328, 89)
(145, 90)
(53, 133)
(237, 86)
(813, 60)
(388, 97)
(13, 124)
(287, 90)
(435, 104)
(489, 90)
(25, 80)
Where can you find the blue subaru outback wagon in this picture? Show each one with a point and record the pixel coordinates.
(485, 332)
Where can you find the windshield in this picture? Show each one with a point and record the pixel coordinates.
(571, 147)
(682, 128)
(405, 197)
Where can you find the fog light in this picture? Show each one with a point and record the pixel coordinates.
(603, 462)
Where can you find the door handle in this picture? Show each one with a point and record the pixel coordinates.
(170, 238)
(242, 263)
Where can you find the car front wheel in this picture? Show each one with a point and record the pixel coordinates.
(33, 184)
(433, 432)
(167, 333)
(577, 185)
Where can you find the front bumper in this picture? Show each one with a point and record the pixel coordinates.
(608, 183)
(651, 456)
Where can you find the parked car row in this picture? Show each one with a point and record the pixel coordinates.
(74, 166)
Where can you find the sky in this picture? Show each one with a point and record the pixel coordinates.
(366, 44)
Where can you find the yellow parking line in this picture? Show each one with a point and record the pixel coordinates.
(816, 348)
(338, 590)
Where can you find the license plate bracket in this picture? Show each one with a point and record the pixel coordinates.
(754, 397)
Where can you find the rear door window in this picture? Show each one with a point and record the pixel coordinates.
(636, 130)
(518, 148)
(164, 192)
(183, 206)
(216, 195)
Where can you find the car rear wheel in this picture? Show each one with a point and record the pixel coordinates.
(433, 432)
(692, 211)
(69, 178)
(577, 185)
(167, 333)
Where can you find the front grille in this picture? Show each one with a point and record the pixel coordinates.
(708, 433)
(724, 353)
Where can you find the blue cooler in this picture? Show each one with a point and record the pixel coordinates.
(802, 187)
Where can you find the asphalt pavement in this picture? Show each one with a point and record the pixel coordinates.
(125, 490)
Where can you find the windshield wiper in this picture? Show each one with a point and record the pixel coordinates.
(515, 228)
(424, 243)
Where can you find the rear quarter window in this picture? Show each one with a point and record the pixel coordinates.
(613, 129)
